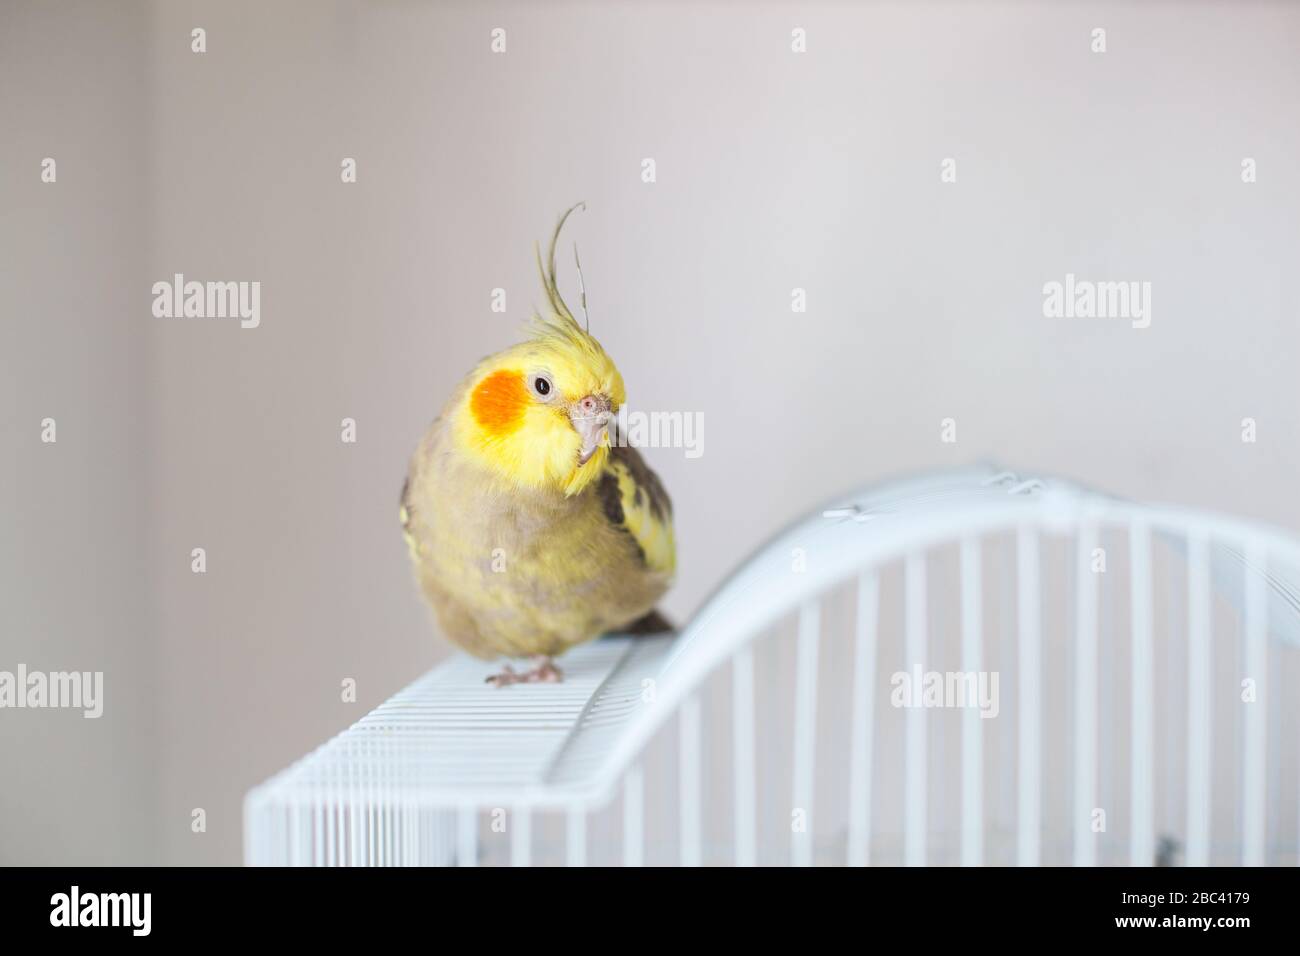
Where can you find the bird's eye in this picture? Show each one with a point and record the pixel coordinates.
(542, 386)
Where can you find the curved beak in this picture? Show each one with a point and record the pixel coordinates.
(590, 417)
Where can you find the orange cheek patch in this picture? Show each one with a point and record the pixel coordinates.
(499, 401)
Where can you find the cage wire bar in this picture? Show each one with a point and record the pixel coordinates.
(760, 768)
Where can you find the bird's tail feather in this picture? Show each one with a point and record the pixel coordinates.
(652, 622)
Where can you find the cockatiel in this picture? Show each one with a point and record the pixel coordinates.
(530, 531)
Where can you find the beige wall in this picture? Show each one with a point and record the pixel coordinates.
(73, 514)
(775, 170)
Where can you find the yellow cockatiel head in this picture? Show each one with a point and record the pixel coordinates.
(537, 414)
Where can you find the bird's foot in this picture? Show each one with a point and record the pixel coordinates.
(544, 673)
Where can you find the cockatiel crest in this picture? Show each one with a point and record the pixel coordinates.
(530, 531)
(538, 413)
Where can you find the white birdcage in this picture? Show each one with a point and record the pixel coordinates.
(1132, 661)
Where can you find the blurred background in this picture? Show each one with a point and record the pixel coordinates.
(775, 171)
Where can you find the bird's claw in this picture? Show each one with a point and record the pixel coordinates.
(544, 673)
